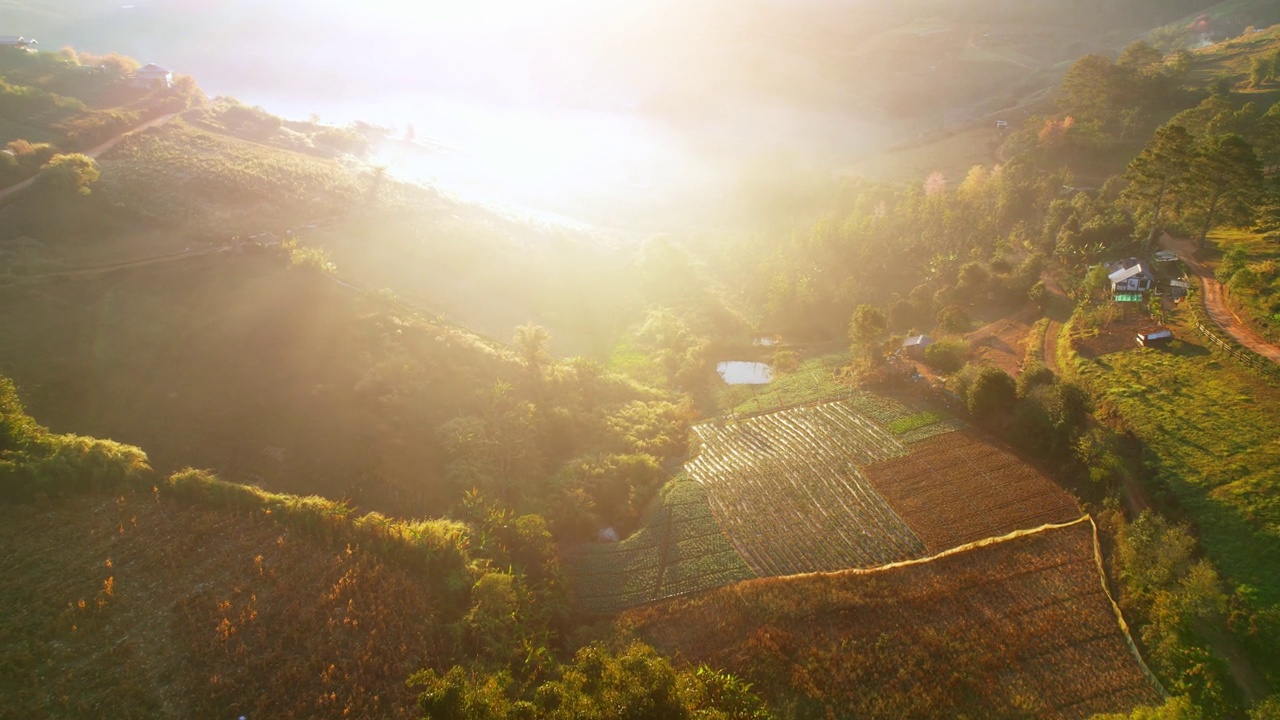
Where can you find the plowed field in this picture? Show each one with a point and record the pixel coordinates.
(1021, 627)
(956, 488)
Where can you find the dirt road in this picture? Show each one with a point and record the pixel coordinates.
(93, 152)
(1215, 303)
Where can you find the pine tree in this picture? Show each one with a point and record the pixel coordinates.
(1158, 174)
(1226, 177)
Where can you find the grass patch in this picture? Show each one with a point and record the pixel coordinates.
(914, 422)
(1211, 430)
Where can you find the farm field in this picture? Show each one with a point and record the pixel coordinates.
(1019, 627)
(787, 489)
(680, 550)
(958, 488)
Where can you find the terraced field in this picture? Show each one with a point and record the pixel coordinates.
(787, 489)
(680, 550)
(956, 488)
(1019, 627)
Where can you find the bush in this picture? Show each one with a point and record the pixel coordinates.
(992, 394)
(953, 318)
(946, 356)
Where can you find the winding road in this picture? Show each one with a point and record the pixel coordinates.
(1215, 303)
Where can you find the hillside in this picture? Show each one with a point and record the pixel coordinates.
(1022, 626)
(135, 606)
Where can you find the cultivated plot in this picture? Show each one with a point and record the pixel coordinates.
(680, 550)
(957, 488)
(786, 488)
(1020, 627)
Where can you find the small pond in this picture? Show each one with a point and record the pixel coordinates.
(736, 372)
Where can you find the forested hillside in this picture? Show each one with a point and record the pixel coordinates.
(502, 461)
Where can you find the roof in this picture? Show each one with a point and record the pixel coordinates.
(1166, 256)
(914, 340)
(1125, 274)
(151, 69)
(1155, 332)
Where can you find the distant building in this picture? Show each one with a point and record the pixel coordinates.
(16, 41)
(152, 75)
(915, 345)
(1153, 336)
(1130, 278)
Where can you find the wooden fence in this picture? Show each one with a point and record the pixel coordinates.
(1237, 351)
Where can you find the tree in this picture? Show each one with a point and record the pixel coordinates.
(1089, 88)
(1159, 173)
(67, 174)
(991, 394)
(1259, 71)
(1140, 58)
(531, 341)
(867, 331)
(1226, 177)
(1268, 217)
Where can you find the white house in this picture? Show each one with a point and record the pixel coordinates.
(152, 75)
(1130, 276)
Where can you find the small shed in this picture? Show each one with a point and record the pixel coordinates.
(915, 345)
(1153, 336)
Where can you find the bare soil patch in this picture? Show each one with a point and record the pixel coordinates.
(957, 488)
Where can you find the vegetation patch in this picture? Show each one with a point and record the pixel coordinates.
(1021, 627)
(1211, 430)
(146, 607)
(787, 489)
(679, 550)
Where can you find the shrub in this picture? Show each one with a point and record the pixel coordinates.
(946, 356)
(991, 394)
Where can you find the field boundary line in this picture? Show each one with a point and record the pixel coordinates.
(1124, 627)
(995, 540)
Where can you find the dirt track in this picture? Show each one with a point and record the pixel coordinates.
(1215, 303)
(93, 152)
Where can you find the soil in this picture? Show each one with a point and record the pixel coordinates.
(1215, 303)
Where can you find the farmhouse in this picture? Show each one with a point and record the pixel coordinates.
(152, 75)
(1130, 278)
(915, 345)
(1153, 336)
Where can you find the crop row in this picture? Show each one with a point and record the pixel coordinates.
(680, 549)
(787, 489)
(909, 422)
(959, 488)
